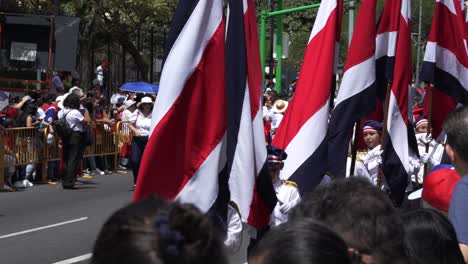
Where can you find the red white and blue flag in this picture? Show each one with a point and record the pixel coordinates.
(249, 181)
(185, 155)
(357, 97)
(302, 132)
(446, 58)
(393, 63)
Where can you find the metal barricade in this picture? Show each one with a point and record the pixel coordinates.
(22, 146)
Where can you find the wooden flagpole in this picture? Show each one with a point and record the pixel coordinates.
(354, 148)
(384, 131)
(429, 87)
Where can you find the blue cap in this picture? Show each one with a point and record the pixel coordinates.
(276, 154)
(372, 125)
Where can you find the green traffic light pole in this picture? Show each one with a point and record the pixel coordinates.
(279, 36)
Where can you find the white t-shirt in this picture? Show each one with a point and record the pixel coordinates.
(276, 121)
(142, 123)
(74, 118)
(100, 74)
(127, 115)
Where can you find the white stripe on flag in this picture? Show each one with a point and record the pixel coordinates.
(449, 4)
(323, 14)
(242, 177)
(386, 44)
(446, 61)
(357, 79)
(398, 132)
(306, 141)
(186, 54)
(202, 190)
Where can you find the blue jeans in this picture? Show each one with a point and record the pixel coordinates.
(138, 146)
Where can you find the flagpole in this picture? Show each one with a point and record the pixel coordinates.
(429, 125)
(384, 132)
(354, 148)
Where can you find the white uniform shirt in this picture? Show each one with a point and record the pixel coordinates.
(234, 230)
(435, 150)
(100, 74)
(288, 197)
(127, 115)
(142, 123)
(74, 118)
(360, 170)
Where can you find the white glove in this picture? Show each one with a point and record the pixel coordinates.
(426, 139)
(284, 208)
(373, 154)
(425, 157)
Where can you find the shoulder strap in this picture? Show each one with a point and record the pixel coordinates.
(290, 183)
(65, 117)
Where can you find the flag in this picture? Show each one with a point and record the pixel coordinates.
(442, 105)
(303, 129)
(357, 96)
(393, 64)
(249, 180)
(4, 99)
(446, 59)
(184, 157)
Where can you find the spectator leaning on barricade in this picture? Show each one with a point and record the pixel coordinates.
(456, 127)
(141, 125)
(361, 214)
(154, 231)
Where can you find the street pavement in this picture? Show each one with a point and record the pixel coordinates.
(46, 224)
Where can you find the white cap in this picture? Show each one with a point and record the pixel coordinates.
(78, 91)
(129, 103)
(145, 100)
(60, 103)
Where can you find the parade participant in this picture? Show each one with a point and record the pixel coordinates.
(286, 191)
(233, 239)
(141, 125)
(433, 155)
(456, 127)
(301, 241)
(371, 158)
(154, 231)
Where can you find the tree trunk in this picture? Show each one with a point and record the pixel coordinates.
(139, 61)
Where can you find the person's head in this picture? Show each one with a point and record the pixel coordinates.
(430, 238)
(456, 128)
(29, 109)
(72, 101)
(372, 131)
(146, 104)
(268, 102)
(49, 98)
(275, 161)
(361, 213)
(299, 242)
(421, 124)
(154, 231)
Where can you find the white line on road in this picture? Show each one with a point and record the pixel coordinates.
(75, 259)
(43, 227)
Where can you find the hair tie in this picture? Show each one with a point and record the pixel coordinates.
(172, 238)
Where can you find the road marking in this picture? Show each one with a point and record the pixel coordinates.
(43, 227)
(75, 259)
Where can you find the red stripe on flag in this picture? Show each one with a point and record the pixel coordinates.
(191, 129)
(445, 31)
(311, 92)
(402, 72)
(388, 21)
(254, 68)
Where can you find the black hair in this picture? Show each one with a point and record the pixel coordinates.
(72, 101)
(456, 128)
(361, 213)
(430, 238)
(299, 242)
(154, 231)
(29, 109)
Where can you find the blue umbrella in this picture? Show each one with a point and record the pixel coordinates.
(140, 87)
